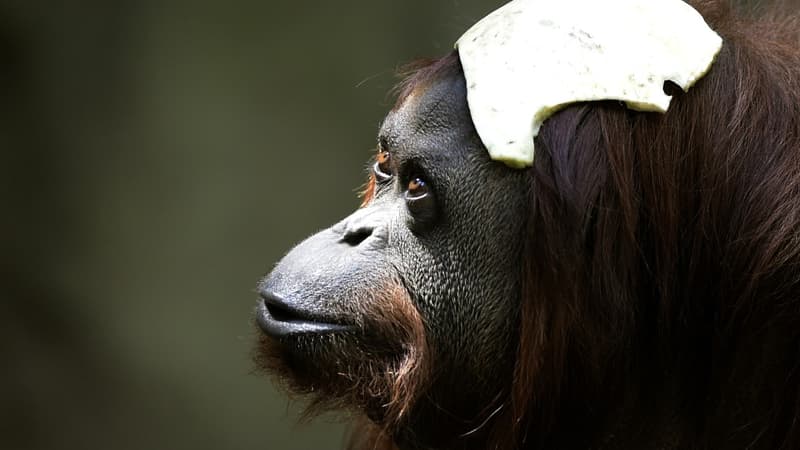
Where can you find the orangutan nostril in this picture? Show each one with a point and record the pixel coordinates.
(356, 236)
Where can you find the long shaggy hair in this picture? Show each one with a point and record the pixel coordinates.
(663, 255)
(668, 245)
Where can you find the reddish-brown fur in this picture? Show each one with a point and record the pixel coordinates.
(368, 193)
(384, 372)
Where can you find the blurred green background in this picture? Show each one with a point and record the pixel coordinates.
(158, 157)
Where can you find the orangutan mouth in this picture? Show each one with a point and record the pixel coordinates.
(278, 317)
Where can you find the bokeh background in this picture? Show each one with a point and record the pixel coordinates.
(157, 158)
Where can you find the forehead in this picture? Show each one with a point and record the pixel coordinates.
(433, 114)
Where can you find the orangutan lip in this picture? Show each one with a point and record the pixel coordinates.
(277, 318)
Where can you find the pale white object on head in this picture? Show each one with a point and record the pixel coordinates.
(530, 58)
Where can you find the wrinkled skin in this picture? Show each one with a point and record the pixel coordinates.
(456, 253)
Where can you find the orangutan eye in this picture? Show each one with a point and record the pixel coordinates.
(383, 168)
(417, 188)
(420, 201)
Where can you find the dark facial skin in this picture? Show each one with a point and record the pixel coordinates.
(459, 255)
(443, 225)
